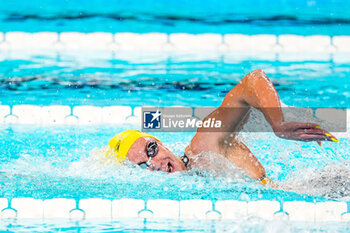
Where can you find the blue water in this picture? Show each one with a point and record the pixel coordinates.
(42, 160)
(165, 225)
(197, 16)
(164, 80)
(65, 162)
(49, 162)
(56, 162)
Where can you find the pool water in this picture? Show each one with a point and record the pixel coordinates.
(154, 225)
(53, 162)
(65, 161)
(316, 17)
(161, 79)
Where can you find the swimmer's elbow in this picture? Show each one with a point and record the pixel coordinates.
(256, 75)
(255, 78)
(257, 71)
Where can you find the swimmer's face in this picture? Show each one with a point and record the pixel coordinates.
(164, 160)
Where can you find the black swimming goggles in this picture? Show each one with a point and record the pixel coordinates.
(151, 151)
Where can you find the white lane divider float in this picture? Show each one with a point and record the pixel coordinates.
(173, 42)
(97, 208)
(58, 208)
(141, 42)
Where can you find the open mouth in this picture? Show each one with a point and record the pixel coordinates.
(169, 167)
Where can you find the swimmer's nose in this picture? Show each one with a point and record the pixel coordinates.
(155, 166)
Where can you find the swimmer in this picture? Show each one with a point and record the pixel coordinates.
(254, 90)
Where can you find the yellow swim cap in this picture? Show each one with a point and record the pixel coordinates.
(122, 142)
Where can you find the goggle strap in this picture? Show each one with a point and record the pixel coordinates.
(185, 159)
(149, 161)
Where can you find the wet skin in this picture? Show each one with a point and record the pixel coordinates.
(254, 90)
(164, 160)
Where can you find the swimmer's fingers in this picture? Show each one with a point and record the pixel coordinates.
(313, 137)
(331, 136)
(311, 131)
(307, 125)
(307, 137)
(295, 126)
(317, 133)
(303, 132)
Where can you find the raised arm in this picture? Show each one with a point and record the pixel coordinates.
(256, 90)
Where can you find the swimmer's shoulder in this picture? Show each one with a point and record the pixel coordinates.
(204, 142)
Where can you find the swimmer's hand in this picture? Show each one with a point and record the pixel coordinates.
(303, 132)
(266, 181)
